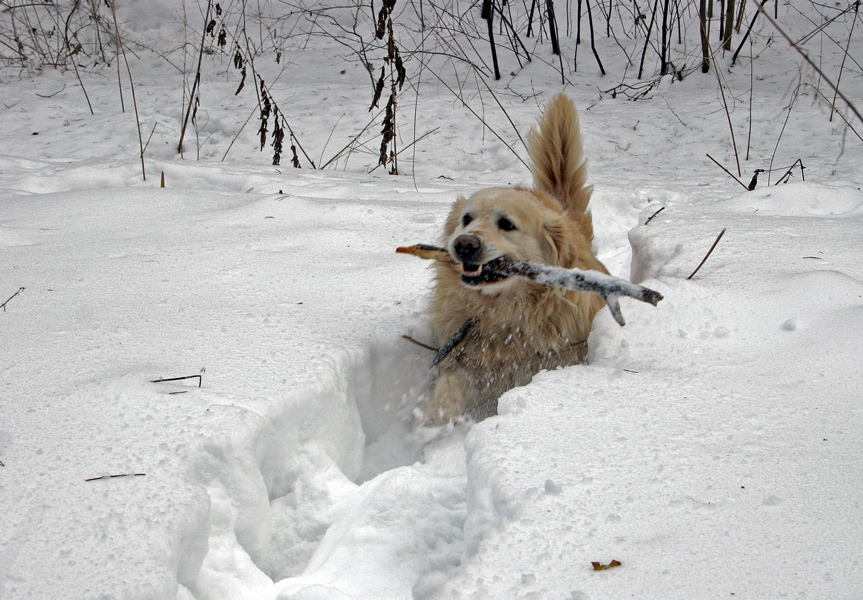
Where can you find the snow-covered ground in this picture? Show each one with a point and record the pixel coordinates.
(712, 445)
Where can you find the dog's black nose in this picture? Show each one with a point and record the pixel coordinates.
(467, 248)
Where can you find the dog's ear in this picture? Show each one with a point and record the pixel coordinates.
(556, 240)
(564, 245)
(454, 217)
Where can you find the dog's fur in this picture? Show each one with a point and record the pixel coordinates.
(520, 327)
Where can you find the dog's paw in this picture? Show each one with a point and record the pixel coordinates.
(449, 402)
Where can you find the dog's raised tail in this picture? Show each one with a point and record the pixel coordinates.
(557, 159)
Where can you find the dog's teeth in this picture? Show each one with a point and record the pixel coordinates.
(478, 270)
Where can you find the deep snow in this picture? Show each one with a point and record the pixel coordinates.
(712, 445)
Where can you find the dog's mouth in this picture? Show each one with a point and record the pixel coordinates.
(476, 274)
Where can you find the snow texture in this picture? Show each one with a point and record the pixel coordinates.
(712, 446)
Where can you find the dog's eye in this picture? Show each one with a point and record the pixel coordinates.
(466, 219)
(506, 225)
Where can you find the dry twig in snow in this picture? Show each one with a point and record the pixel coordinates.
(706, 256)
(3, 306)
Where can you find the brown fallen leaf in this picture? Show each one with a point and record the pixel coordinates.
(601, 567)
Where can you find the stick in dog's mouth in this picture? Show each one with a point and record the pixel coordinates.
(471, 269)
(473, 274)
(607, 286)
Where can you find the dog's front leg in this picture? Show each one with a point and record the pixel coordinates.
(452, 397)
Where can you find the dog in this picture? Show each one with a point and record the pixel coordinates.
(497, 332)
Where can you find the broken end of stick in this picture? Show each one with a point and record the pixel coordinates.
(651, 296)
(613, 302)
(614, 306)
(426, 251)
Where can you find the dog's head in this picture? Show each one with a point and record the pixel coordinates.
(512, 222)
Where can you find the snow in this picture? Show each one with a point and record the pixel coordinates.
(712, 445)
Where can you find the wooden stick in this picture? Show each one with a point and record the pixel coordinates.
(608, 287)
(455, 341)
(709, 252)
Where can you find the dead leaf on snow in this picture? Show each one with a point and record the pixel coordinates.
(601, 567)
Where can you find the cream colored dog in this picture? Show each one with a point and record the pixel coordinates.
(503, 330)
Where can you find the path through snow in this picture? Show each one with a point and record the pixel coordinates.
(390, 526)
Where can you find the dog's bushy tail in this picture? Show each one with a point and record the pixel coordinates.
(557, 160)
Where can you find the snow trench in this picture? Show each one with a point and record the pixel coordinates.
(335, 494)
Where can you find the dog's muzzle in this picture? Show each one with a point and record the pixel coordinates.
(468, 250)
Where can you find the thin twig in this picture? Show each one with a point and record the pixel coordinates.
(841, 116)
(197, 79)
(481, 120)
(350, 143)
(491, 91)
(256, 108)
(782, 131)
(650, 218)
(200, 379)
(844, 56)
(727, 111)
(119, 79)
(748, 31)
(751, 96)
(52, 95)
(647, 38)
(122, 47)
(419, 343)
(116, 476)
(329, 137)
(3, 306)
(150, 137)
(416, 110)
(790, 170)
(72, 56)
(811, 63)
(592, 42)
(820, 28)
(417, 140)
(730, 174)
(709, 252)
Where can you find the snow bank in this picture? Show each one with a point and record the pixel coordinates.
(697, 446)
(693, 449)
(710, 446)
(240, 474)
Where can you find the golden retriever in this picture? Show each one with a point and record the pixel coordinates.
(501, 331)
